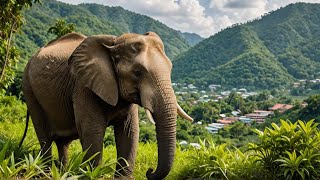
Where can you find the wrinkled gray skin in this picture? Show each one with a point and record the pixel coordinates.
(76, 86)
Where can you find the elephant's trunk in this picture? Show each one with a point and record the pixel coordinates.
(165, 116)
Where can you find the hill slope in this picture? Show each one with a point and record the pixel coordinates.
(267, 53)
(92, 19)
(192, 38)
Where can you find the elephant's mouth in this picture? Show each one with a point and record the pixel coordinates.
(135, 98)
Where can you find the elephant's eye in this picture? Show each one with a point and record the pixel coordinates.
(137, 73)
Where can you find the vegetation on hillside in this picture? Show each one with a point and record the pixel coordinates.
(11, 20)
(91, 19)
(61, 27)
(265, 53)
(192, 38)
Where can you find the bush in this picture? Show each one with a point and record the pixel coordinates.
(289, 151)
(11, 109)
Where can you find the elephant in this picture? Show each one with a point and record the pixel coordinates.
(76, 86)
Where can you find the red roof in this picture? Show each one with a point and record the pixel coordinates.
(225, 121)
(281, 107)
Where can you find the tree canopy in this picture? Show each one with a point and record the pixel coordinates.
(11, 20)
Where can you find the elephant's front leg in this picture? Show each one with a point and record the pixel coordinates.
(91, 123)
(127, 136)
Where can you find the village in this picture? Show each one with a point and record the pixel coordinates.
(215, 93)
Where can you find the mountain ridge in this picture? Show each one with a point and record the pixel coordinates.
(277, 39)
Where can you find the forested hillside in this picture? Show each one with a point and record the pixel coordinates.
(192, 38)
(91, 19)
(270, 52)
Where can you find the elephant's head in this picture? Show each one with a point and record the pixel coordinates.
(136, 68)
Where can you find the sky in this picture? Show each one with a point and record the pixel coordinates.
(204, 17)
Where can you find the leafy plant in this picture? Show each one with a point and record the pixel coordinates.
(290, 150)
(11, 20)
(61, 28)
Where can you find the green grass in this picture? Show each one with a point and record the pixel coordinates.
(287, 151)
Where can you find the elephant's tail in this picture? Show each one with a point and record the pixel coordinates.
(25, 130)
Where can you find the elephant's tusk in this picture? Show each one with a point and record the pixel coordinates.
(183, 114)
(149, 115)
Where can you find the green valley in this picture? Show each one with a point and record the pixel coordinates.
(265, 53)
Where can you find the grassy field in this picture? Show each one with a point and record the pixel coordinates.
(146, 158)
(289, 151)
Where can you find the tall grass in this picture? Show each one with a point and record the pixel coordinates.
(285, 151)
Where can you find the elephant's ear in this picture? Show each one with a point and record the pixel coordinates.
(92, 66)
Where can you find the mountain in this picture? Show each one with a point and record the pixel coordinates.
(269, 52)
(192, 38)
(92, 19)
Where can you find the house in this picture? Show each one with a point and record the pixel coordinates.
(296, 84)
(304, 104)
(185, 144)
(259, 115)
(245, 120)
(244, 96)
(227, 120)
(195, 145)
(191, 86)
(281, 107)
(214, 86)
(213, 128)
(242, 90)
(235, 113)
(225, 93)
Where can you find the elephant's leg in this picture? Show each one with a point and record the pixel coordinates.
(63, 145)
(127, 137)
(91, 123)
(39, 121)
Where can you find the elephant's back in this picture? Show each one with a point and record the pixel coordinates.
(49, 66)
(49, 77)
(52, 58)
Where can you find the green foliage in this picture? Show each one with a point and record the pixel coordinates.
(11, 20)
(270, 52)
(207, 111)
(236, 130)
(28, 167)
(147, 132)
(191, 132)
(192, 38)
(61, 28)
(11, 109)
(312, 110)
(219, 162)
(290, 150)
(31, 167)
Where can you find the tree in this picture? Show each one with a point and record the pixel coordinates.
(61, 28)
(235, 100)
(11, 20)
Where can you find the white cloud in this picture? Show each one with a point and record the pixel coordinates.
(204, 17)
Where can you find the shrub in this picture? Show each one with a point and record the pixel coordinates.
(289, 151)
(11, 109)
(218, 161)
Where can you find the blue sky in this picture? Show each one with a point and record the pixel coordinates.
(204, 17)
